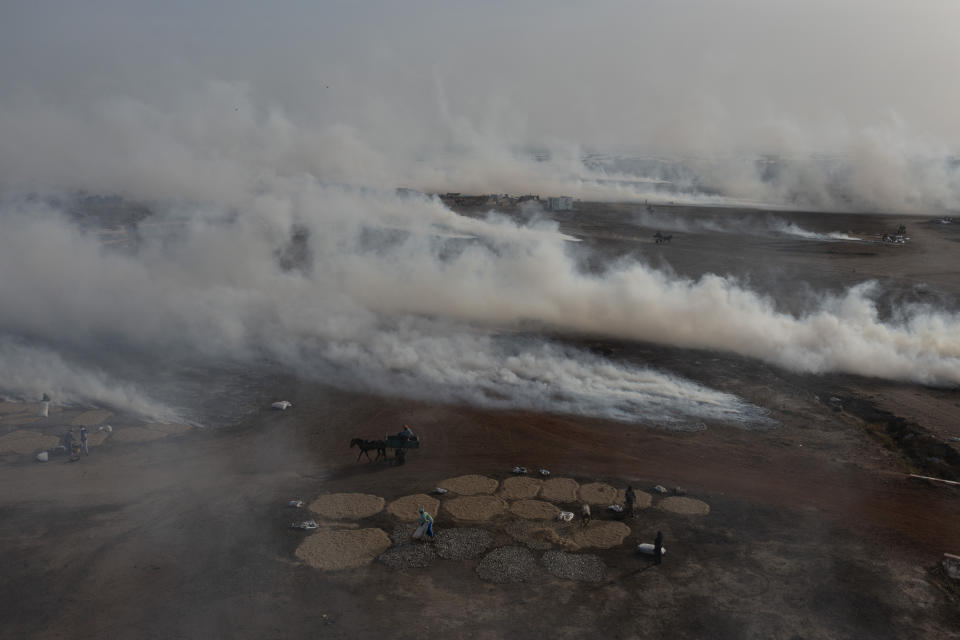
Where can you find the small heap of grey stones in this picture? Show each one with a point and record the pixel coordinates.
(462, 544)
(575, 566)
(402, 534)
(508, 564)
(409, 556)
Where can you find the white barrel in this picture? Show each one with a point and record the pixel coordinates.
(44, 409)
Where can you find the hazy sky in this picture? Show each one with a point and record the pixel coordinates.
(667, 76)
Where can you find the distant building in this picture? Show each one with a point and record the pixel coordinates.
(560, 203)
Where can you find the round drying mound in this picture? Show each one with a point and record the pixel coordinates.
(408, 556)
(475, 508)
(644, 500)
(686, 506)
(560, 490)
(335, 549)
(519, 487)
(601, 493)
(462, 544)
(508, 564)
(25, 442)
(137, 434)
(575, 566)
(602, 535)
(343, 506)
(97, 438)
(407, 508)
(539, 535)
(403, 533)
(90, 418)
(470, 485)
(534, 510)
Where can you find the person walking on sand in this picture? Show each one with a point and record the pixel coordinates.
(84, 446)
(658, 548)
(631, 499)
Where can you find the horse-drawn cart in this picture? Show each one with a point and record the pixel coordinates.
(400, 445)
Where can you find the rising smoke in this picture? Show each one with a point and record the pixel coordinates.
(273, 228)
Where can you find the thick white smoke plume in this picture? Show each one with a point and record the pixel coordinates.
(267, 163)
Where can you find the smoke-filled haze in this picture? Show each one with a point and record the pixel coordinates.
(267, 141)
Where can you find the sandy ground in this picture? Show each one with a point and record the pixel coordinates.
(814, 528)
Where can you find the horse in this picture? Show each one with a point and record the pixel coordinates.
(369, 445)
(662, 238)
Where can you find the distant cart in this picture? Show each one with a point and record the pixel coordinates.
(400, 446)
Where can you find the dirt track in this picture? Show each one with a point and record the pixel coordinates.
(814, 530)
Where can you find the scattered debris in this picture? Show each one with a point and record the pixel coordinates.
(565, 516)
(616, 508)
(283, 405)
(107, 428)
(306, 525)
(544, 472)
(520, 470)
(43, 456)
(440, 490)
(680, 491)
(660, 489)
(295, 503)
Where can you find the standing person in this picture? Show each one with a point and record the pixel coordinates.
(658, 547)
(427, 519)
(631, 497)
(68, 441)
(83, 441)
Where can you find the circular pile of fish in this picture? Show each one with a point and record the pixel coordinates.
(409, 556)
(508, 564)
(462, 543)
(575, 566)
